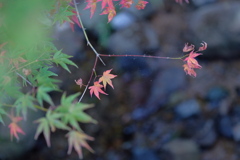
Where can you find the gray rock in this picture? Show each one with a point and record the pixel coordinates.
(199, 3)
(144, 154)
(225, 126)
(218, 25)
(136, 38)
(166, 82)
(188, 108)
(236, 132)
(126, 17)
(183, 149)
(206, 136)
(215, 95)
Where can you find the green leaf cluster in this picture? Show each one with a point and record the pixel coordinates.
(66, 116)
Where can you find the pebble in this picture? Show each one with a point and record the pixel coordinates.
(188, 108)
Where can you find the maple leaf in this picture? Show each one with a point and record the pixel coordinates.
(106, 78)
(14, 128)
(126, 3)
(77, 140)
(188, 48)
(141, 4)
(191, 61)
(107, 2)
(96, 89)
(111, 13)
(74, 18)
(92, 4)
(79, 82)
(204, 46)
(189, 70)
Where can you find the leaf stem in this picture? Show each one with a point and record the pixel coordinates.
(85, 34)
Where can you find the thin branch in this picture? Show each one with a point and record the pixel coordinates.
(41, 108)
(142, 56)
(36, 106)
(24, 78)
(85, 34)
(90, 79)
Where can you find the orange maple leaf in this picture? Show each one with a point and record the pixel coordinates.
(141, 4)
(189, 70)
(14, 128)
(96, 89)
(106, 78)
(126, 3)
(110, 11)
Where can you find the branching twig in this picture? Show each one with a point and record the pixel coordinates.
(85, 34)
(143, 56)
(90, 79)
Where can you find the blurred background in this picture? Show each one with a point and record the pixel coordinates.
(156, 111)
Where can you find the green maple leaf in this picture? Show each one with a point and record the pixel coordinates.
(77, 140)
(23, 103)
(42, 94)
(49, 123)
(63, 59)
(72, 113)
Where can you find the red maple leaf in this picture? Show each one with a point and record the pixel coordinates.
(107, 2)
(204, 46)
(74, 18)
(14, 128)
(191, 61)
(96, 89)
(126, 3)
(106, 78)
(79, 82)
(188, 48)
(110, 11)
(141, 4)
(92, 4)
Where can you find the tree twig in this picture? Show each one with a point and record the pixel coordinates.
(90, 79)
(142, 56)
(24, 78)
(85, 34)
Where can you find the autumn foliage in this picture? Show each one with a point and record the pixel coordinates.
(191, 62)
(108, 6)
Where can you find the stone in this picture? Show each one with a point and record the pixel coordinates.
(183, 149)
(218, 24)
(188, 108)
